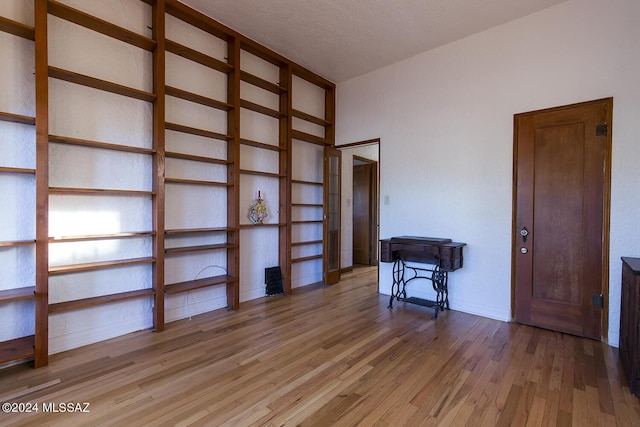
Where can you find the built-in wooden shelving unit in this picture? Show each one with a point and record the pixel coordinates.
(228, 105)
(184, 241)
(314, 245)
(22, 347)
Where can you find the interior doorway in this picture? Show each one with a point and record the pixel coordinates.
(364, 152)
(365, 221)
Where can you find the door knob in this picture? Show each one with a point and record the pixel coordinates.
(524, 233)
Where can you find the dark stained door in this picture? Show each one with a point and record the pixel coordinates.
(561, 216)
(362, 214)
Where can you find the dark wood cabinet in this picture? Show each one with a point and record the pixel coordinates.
(630, 322)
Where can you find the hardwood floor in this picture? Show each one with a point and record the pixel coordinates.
(330, 356)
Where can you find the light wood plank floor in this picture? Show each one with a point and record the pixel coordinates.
(331, 356)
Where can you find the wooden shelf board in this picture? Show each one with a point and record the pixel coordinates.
(73, 268)
(307, 205)
(262, 83)
(199, 99)
(199, 20)
(308, 242)
(303, 73)
(101, 26)
(307, 137)
(196, 182)
(125, 235)
(194, 131)
(194, 158)
(302, 182)
(258, 144)
(97, 144)
(92, 82)
(13, 243)
(16, 349)
(17, 294)
(17, 28)
(17, 118)
(103, 299)
(245, 226)
(307, 258)
(199, 230)
(4, 169)
(260, 109)
(314, 221)
(99, 191)
(261, 52)
(200, 58)
(198, 248)
(191, 285)
(260, 173)
(309, 118)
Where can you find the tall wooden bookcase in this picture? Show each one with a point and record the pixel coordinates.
(23, 175)
(222, 176)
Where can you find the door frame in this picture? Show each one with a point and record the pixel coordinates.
(355, 145)
(373, 208)
(608, 105)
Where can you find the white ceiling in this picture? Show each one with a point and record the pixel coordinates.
(341, 39)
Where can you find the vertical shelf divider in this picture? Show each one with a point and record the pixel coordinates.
(330, 114)
(233, 174)
(41, 344)
(159, 55)
(286, 123)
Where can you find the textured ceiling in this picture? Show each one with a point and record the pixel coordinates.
(341, 39)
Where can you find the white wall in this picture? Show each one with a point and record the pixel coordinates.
(445, 119)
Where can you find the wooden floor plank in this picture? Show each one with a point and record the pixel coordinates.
(331, 356)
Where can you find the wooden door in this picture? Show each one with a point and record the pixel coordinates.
(560, 250)
(362, 214)
(331, 244)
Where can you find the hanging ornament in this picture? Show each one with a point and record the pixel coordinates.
(258, 210)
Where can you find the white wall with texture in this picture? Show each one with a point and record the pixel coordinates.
(445, 119)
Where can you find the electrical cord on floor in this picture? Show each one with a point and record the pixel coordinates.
(196, 278)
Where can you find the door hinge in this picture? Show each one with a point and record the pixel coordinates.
(597, 300)
(601, 130)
